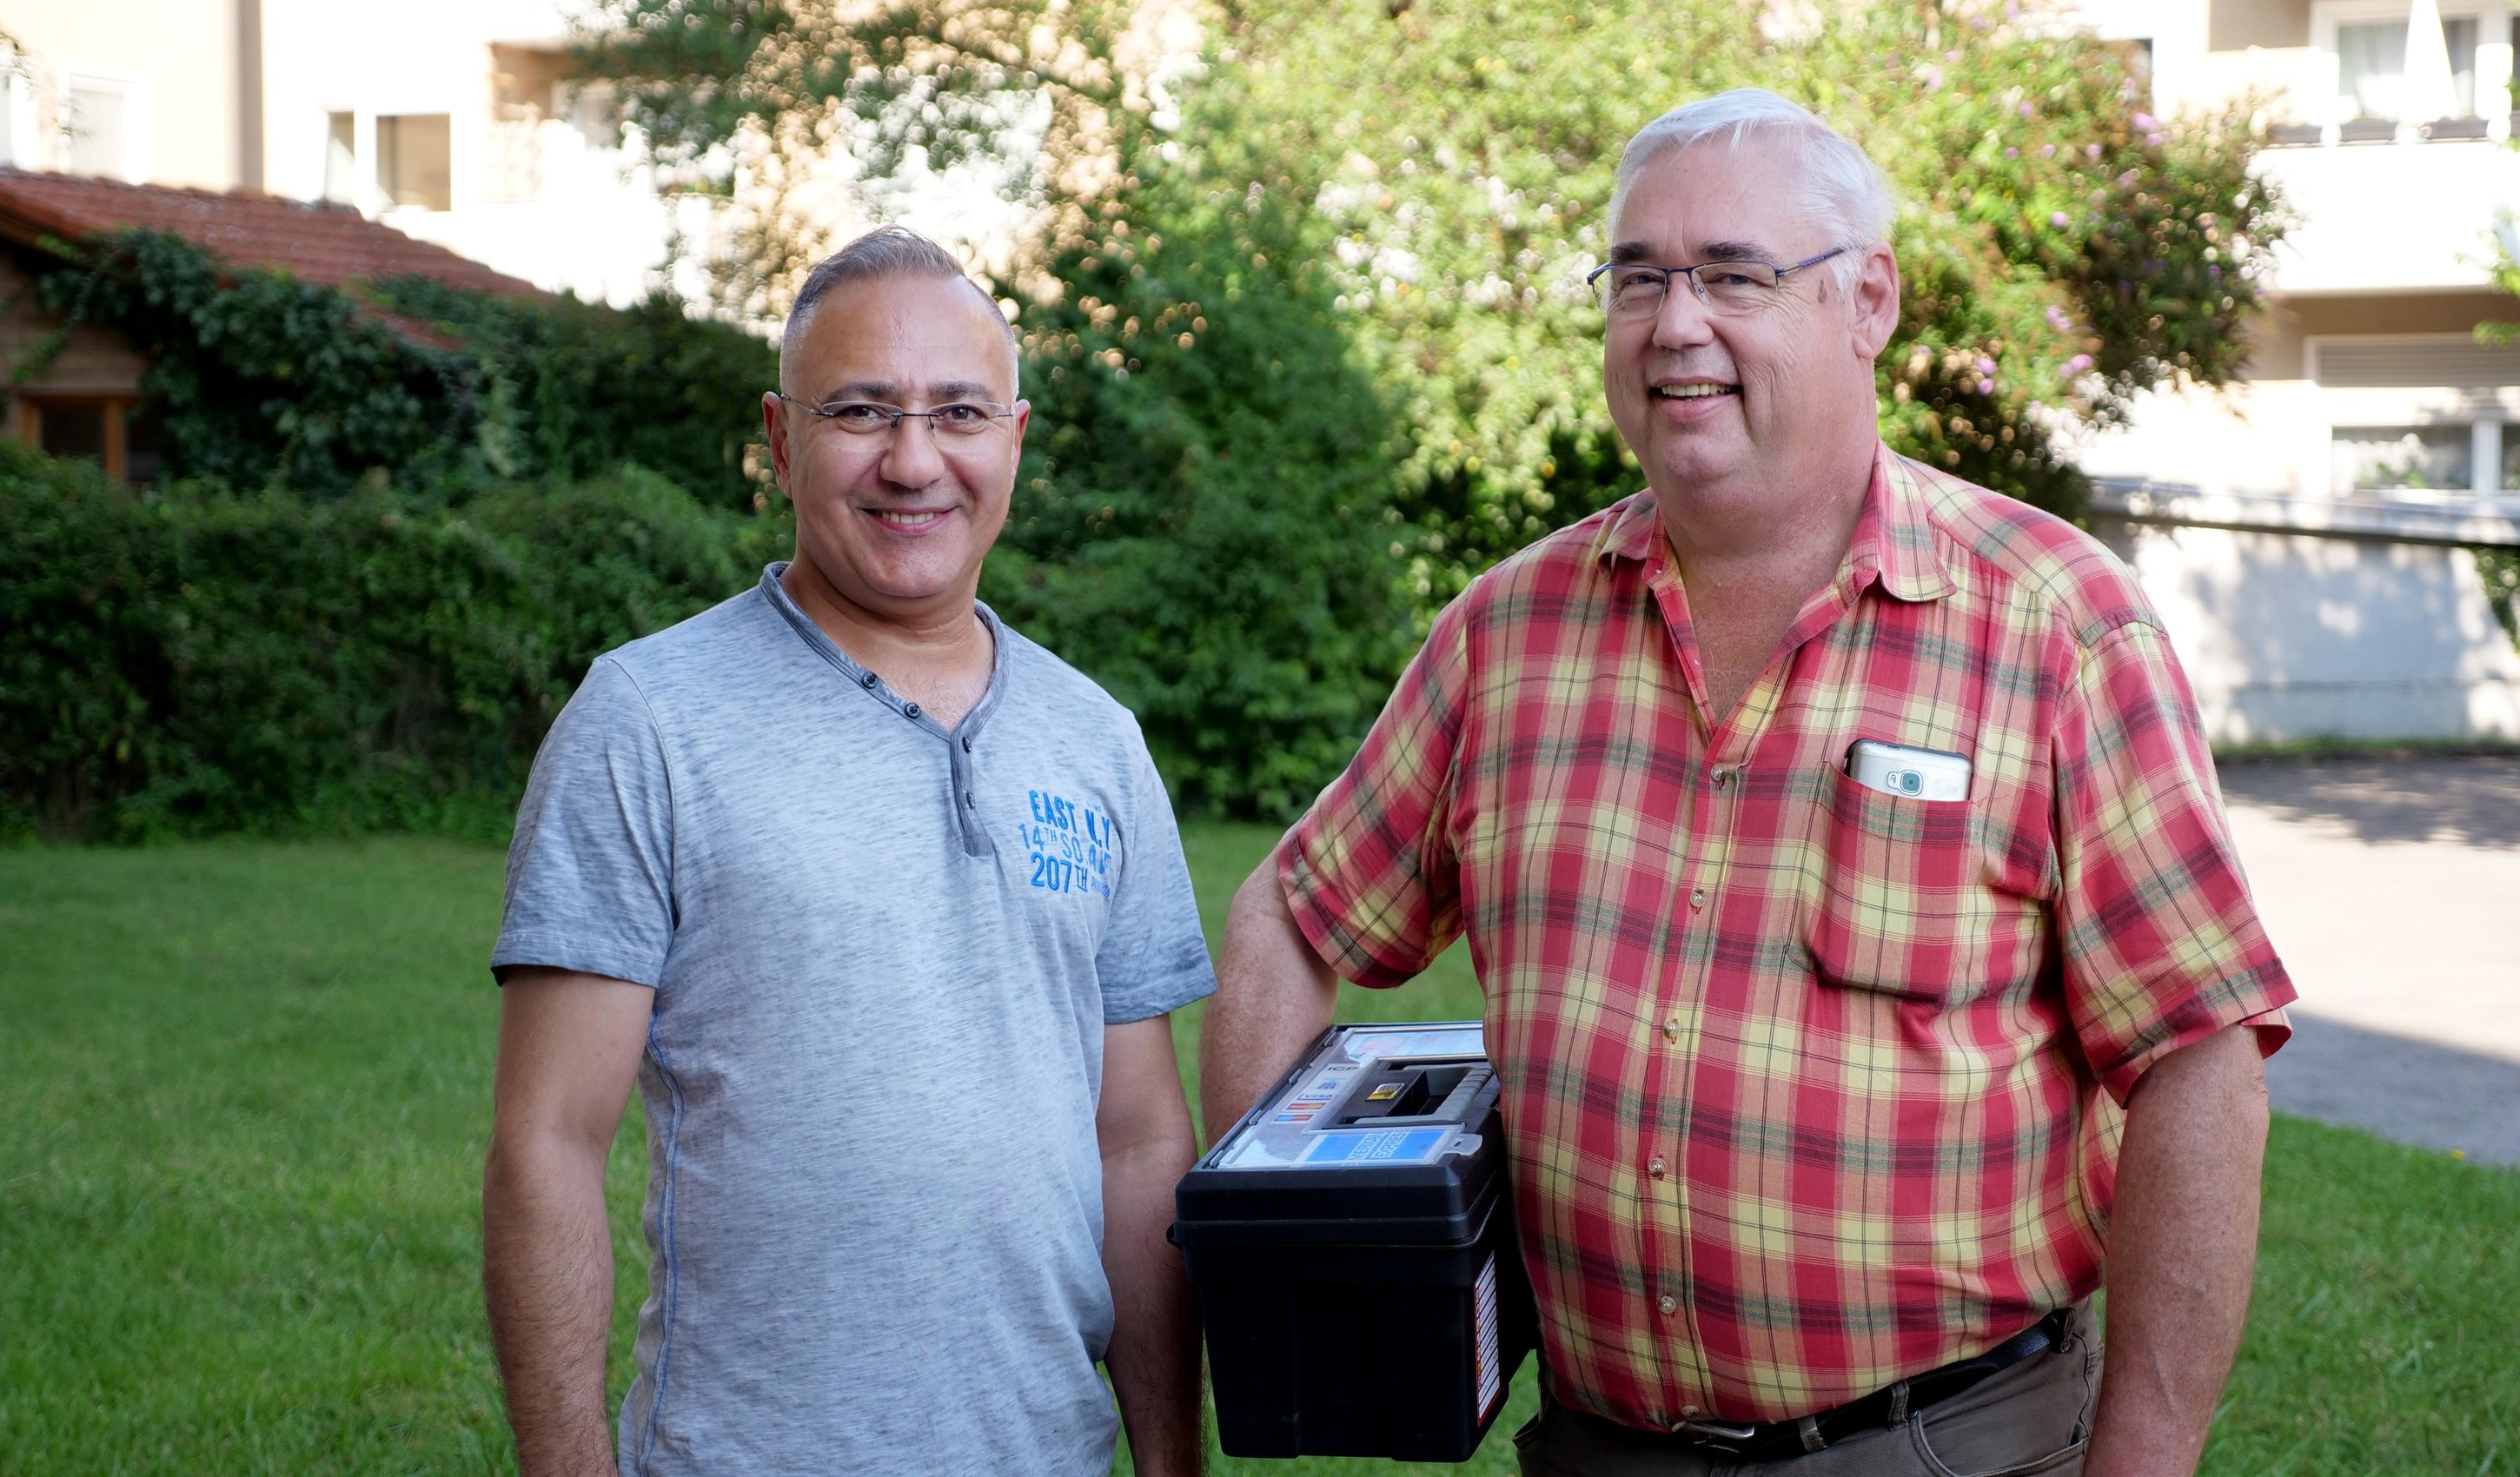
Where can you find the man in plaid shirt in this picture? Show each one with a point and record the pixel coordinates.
(1827, 1101)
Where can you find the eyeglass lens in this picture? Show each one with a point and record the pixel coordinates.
(1726, 286)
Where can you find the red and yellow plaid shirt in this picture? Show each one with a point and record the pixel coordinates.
(1807, 1087)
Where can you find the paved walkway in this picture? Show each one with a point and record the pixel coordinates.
(2392, 889)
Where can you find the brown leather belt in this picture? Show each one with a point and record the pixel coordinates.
(1777, 1440)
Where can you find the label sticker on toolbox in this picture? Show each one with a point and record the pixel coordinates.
(1415, 1146)
(1488, 1378)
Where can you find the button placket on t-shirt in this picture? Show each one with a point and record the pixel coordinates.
(962, 799)
(966, 799)
(962, 789)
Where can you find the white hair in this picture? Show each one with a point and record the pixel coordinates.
(1841, 187)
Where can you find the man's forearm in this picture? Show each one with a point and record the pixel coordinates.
(1153, 1358)
(1272, 996)
(547, 1269)
(2182, 1246)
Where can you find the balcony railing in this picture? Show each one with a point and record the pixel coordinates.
(2384, 131)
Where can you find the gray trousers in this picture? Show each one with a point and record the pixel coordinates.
(2033, 1417)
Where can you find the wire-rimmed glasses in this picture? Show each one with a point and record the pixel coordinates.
(868, 418)
(1638, 289)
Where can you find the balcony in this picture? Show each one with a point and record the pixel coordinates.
(2386, 133)
(2419, 214)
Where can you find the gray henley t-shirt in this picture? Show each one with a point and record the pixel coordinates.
(885, 956)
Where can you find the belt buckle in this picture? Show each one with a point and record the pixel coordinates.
(1729, 1437)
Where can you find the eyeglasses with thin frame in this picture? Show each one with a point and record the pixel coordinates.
(1638, 289)
(958, 420)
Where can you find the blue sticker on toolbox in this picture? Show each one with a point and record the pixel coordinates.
(1377, 1146)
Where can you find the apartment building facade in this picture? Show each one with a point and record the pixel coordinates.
(455, 124)
(2308, 533)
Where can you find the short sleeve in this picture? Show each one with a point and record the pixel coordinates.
(1153, 958)
(1369, 871)
(590, 871)
(2161, 941)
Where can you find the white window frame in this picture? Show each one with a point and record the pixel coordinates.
(2491, 413)
(22, 137)
(139, 120)
(2494, 58)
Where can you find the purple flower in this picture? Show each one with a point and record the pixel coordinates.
(2150, 141)
(2077, 365)
(2057, 320)
(2060, 219)
(1986, 387)
(2126, 181)
(2091, 151)
(2212, 270)
(2012, 153)
(2146, 121)
(2028, 112)
(2047, 151)
(1984, 365)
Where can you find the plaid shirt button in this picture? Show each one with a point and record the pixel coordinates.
(1670, 1029)
(1658, 1168)
(1668, 1304)
(1698, 897)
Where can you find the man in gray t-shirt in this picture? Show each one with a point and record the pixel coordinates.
(882, 908)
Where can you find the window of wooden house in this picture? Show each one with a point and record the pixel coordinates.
(110, 430)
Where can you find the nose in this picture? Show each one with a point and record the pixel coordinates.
(1682, 321)
(911, 455)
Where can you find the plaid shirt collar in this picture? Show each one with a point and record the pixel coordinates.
(1893, 542)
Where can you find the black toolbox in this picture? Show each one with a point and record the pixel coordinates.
(1352, 1244)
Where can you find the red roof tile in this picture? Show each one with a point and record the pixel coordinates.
(319, 243)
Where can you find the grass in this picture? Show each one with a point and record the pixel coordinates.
(246, 1087)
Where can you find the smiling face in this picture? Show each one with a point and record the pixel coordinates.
(896, 523)
(1723, 411)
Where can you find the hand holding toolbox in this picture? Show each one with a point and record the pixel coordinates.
(1352, 1245)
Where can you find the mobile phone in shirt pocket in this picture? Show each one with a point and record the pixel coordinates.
(1910, 901)
(1913, 774)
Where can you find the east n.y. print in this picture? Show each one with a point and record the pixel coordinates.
(1068, 846)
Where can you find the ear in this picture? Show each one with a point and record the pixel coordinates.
(1874, 302)
(774, 428)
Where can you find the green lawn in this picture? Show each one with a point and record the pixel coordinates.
(245, 1088)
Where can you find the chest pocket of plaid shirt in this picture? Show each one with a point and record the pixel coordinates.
(1912, 901)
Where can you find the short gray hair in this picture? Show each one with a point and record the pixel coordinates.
(1842, 189)
(883, 253)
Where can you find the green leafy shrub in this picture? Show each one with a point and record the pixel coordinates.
(1200, 522)
(571, 389)
(257, 379)
(208, 660)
